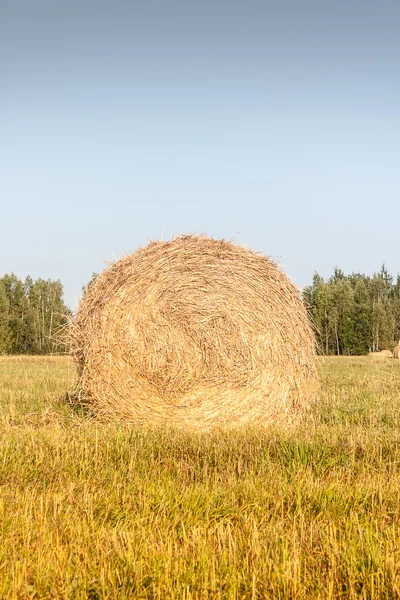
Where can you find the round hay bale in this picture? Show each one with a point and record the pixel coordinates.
(194, 331)
(396, 351)
(386, 353)
(378, 356)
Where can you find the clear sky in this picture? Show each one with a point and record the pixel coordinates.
(122, 121)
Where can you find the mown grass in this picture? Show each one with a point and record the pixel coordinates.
(91, 511)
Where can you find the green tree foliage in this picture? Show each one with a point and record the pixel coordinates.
(355, 314)
(5, 334)
(32, 314)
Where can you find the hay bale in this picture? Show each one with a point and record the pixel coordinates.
(396, 351)
(377, 356)
(386, 353)
(194, 331)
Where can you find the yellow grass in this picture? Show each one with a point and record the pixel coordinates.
(93, 511)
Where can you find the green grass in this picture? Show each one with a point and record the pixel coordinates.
(104, 511)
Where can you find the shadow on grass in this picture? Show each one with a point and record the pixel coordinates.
(78, 404)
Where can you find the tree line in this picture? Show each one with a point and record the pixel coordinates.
(355, 314)
(32, 315)
(352, 314)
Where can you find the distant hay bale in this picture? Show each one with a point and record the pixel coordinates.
(396, 351)
(386, 353)
(196, 332)
(378, 356)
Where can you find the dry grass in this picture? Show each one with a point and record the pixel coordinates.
(380, 356)
(196, 332)
(92, 511)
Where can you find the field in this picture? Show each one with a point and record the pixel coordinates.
(105, 511)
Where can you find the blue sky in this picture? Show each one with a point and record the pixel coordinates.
(124, 121)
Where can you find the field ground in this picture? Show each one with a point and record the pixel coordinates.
(104, 511)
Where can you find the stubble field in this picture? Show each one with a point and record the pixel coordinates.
(93, 511)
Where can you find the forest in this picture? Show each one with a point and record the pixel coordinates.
(32, 315)
(355, 314)
(351, 314)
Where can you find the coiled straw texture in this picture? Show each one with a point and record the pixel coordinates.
(195, 332)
